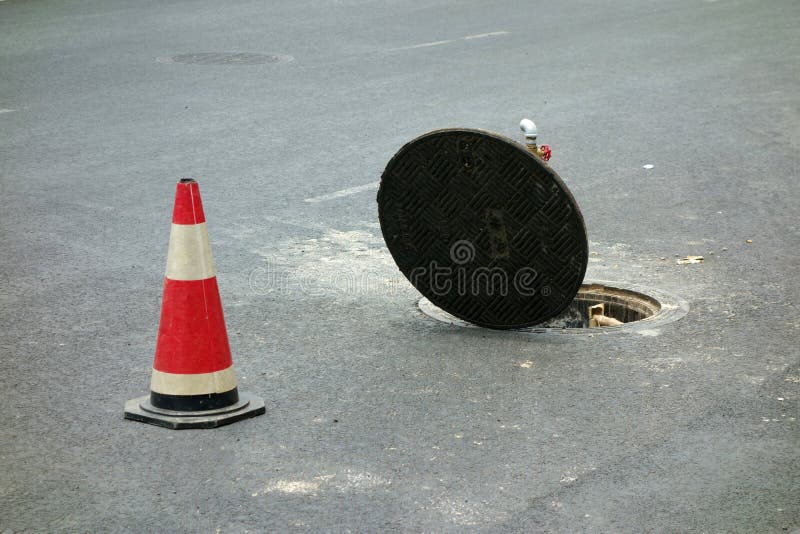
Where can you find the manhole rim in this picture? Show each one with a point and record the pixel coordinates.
(671, 308)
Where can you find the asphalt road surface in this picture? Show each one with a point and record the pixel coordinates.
(378, 417)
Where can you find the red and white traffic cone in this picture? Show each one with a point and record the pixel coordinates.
(193, 384)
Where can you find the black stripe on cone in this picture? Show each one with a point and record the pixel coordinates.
(194, 403)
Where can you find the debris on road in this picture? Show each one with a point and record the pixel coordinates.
(690, 259)
(597, 317)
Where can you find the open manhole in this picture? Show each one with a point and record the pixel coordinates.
(638, 310)
(225, 58)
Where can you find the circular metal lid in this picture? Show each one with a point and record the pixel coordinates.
(483, 228)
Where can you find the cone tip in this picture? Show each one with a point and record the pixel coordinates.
(188, 206)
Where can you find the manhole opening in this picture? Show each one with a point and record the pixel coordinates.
(621, 304)
(638, 309)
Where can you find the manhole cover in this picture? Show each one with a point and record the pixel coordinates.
(484, 229)
(225, 58)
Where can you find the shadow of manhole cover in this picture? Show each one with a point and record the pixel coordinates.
(225, 58)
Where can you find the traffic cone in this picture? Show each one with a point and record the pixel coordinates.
(193, 384)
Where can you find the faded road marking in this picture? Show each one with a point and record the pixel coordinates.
(448, 41)
(425, 45)
(345, 192)
(291, 486)
(482, 35)
(344, 482)
(6, 110)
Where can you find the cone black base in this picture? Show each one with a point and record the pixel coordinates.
(140, 409)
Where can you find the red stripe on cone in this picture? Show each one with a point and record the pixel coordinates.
(188, 206)
(191, 336)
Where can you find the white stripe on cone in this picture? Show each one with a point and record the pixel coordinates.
(189, 256)
(193, 384)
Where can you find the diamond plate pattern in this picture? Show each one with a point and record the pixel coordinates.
(510, 210)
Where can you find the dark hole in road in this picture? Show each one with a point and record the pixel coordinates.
(623, 305)
(633, 307)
